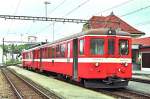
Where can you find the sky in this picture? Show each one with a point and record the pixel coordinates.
(19, 30)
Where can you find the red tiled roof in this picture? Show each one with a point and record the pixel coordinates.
(114, 22)
(143, 41)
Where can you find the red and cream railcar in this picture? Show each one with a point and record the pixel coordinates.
(99, 57)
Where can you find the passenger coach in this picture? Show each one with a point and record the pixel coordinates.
(101, 58)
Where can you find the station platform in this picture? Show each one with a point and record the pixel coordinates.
(142, 76)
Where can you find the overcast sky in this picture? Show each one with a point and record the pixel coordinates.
(80, 9)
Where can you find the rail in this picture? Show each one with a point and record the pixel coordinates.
(19, 95)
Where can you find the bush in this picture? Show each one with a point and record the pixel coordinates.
(12, 62)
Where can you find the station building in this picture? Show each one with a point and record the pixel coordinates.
(141, 60)
(141, 53)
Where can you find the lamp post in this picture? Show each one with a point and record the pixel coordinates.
(46, 3)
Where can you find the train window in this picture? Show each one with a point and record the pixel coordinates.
(46, 52)
(58, 51)
(68, 50)
(53, 52)
(49, 52)
(111, 46)
(123, 47)
(97, 46)
(39, 54)
(62, 50)
(81, 50)
(43, 53)
(33, 55)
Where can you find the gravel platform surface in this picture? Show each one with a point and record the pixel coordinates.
(63, 89)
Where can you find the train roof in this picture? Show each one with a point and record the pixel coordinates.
(101, 31)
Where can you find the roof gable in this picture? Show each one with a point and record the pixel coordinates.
(114, 22)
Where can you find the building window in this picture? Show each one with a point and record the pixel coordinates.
(81, 50)
(111, 46)
(97, 46)
(123, 47)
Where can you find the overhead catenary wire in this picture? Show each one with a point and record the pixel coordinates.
(77, 7)
(143, 23)
(116, 6)
(68, 13)
(16, 10)
(59, 5)
(135, 11)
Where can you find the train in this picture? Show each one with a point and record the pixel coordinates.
(99, 58)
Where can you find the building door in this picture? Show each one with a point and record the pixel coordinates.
(75, 59)
(146, 60)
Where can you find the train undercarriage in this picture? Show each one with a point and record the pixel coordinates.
(109, 82)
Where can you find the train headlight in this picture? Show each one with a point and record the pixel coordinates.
(96, 64)
(126, 64)
(109, 32)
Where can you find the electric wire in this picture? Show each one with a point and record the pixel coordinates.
(16, 10)
(135, 11)
(74, 9)
(116, 6)
(57, 6)
(68, 13)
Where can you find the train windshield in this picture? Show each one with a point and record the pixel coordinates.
(123, 47)
(97, 46)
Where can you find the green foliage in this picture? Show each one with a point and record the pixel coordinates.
(12, 62)
(15, 49)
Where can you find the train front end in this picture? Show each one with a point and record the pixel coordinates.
(109, 61)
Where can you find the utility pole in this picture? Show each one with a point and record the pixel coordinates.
(53, 31)
(46, 3)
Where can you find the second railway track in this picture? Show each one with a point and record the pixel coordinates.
(125, 93)
(22, 88)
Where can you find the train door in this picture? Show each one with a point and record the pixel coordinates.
(75, 59)
(33, 56)
(40, 64)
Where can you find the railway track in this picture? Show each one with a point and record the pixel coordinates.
(125, 93)
(5, 89)
(24, 89)
(121, 93)
(141, 80)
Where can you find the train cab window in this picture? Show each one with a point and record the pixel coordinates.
(97, 46)
(81, 48)
(111, 46)
(123, 47)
